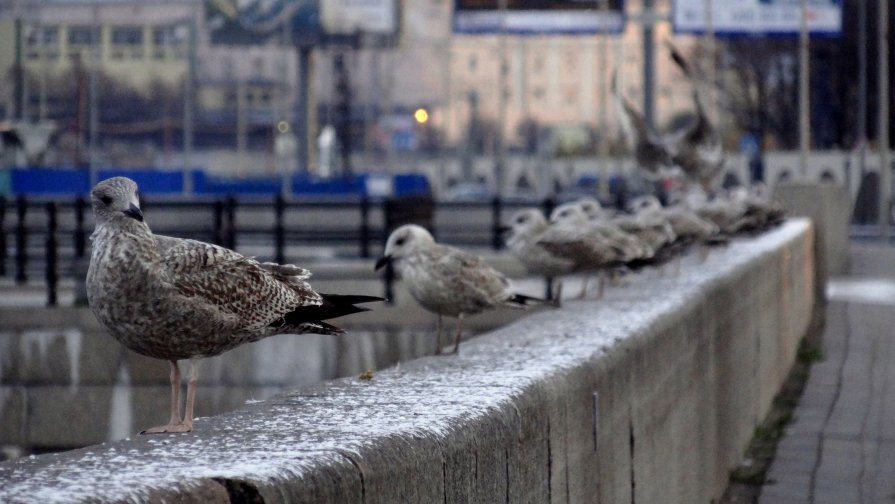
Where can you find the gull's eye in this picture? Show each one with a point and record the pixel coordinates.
(107, 200)
(400, 241)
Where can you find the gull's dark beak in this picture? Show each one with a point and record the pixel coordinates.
(133, 211)
(382, 261)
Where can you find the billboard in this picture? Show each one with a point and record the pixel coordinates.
(758, 17)
(235, 22)
(353, 16)
(535, 17)
(311, 21)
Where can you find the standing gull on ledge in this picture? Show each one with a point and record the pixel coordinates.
(173, 299)
(446, 280)
(523, 239)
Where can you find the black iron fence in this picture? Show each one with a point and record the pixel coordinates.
(48, 238)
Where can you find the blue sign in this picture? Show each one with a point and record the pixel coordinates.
(757, 17)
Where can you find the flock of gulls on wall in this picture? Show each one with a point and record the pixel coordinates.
(175, 299)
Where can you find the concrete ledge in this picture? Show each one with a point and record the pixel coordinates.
(647, 396)
(830, 207)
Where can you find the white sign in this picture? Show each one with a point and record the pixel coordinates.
(759, 17)
(353, 16)
(537, 17)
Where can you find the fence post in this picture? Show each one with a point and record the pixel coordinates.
(2, 235)
(279, 231)
(365, 227)
(21, 240)
(217, 230)
(388, 278)
(230, 224)
(51, 255)
(548, 205)
(496, 242)
(80, 236)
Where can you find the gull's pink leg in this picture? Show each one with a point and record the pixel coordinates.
(175, 421)
(438, 326)
(191, 395)
(459, 334)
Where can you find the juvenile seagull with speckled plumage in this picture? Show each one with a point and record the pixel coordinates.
(172, 298)
(446, 280)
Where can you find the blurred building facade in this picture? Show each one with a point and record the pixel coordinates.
(550, 80)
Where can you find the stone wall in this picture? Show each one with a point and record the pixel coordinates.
(649, 395)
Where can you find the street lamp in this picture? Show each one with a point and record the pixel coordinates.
(421, 115)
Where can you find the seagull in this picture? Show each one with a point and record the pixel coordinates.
(651, 150)
(697, 150)
(173, 299)
(727, 213)
(592, 245)
(525, 229)
(446, 280)
(686, 224)
(738, 211)
(761, 211)
(689, 228)
(589, 213)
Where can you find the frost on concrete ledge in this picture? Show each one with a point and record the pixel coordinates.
(654, 390)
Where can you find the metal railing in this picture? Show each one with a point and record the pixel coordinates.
(47, 234)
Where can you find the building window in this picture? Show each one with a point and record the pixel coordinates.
(81, 35)
(538, 93)
(81, 39)
(43, 41)
(473, 63)
(127, 42)
(169, 42)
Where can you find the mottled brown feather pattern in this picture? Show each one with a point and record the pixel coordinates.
(172, 298)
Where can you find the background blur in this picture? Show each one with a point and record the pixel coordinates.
(335, 88)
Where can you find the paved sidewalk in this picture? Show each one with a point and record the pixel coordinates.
(840, 448)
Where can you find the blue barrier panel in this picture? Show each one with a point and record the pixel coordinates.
(150, 181)
(205, 184)
(411, 184)
(304, 185)
(50, 181)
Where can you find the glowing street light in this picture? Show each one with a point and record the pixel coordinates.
(421, 116)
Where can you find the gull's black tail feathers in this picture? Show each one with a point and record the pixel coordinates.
(333, 306)
(524, 301)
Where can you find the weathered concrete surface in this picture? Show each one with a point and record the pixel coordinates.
(829, 205)
(65, 383)
(649, 395)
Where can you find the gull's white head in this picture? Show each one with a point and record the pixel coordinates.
(116, 199)
(592, 208)
(527, 222)
(404, 241)
(568, 214)
(644, 203)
